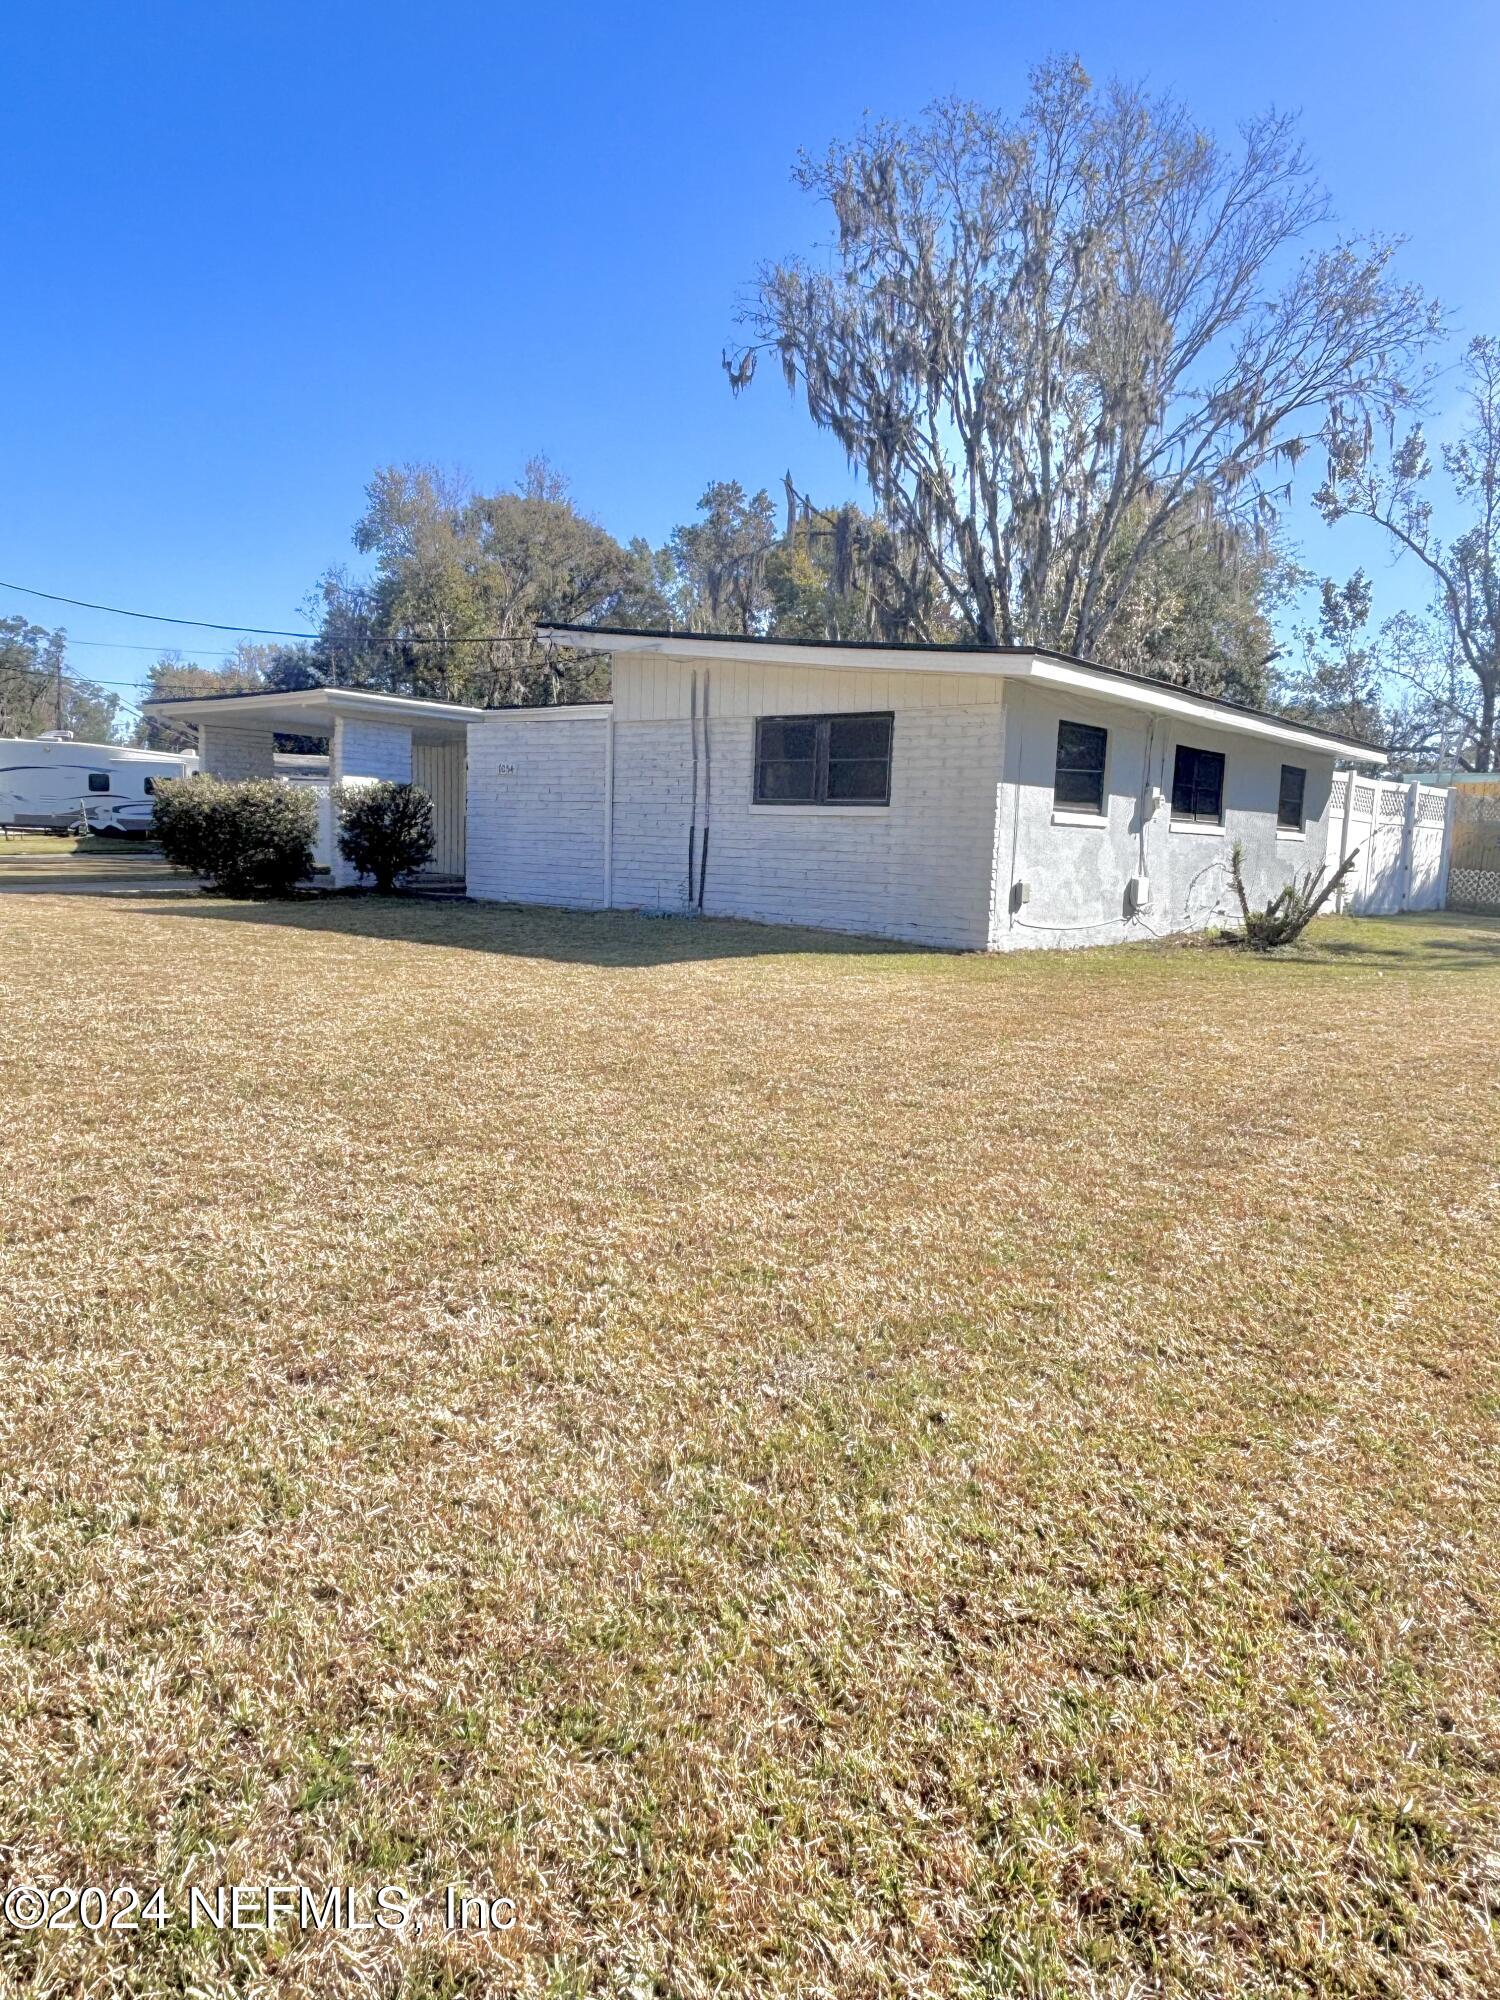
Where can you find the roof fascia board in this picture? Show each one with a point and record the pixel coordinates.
(560, 711)
(1152, 695)
(865, 660)
(1100, 684)
(309, 702)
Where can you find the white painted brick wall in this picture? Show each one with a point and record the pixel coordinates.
(919, 869)
(536, 809)
(370, 750)
(234, 753)
(361, 752)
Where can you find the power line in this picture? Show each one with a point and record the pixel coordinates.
(156, 617)
(49, 674)
(324, 639)
(141, 646)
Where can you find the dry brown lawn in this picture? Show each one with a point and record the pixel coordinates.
(816, 1469)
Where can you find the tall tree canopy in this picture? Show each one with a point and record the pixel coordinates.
(39, 690)
(1057, 344)
(1449, 660)
(718, 562)
(841, 573)
(460, 580)
(251, 669)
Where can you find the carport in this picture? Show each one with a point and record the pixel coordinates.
(370, 737)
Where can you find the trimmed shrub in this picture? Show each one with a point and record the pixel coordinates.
(252, 839)
(187, 817)
(385, 831)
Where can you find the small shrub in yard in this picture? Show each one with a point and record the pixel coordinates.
(385, 831)
(1289, 911)
(251, 839)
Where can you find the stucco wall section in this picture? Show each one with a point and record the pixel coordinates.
(536, 809)
(236, 753)
(1079, 874)
(919, 869)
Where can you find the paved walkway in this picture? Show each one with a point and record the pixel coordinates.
(89, 874)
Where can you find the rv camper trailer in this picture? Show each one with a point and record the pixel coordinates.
(54, 785)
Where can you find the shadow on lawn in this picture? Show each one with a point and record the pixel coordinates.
(628, 939)
(1463, 944)
(568, 937)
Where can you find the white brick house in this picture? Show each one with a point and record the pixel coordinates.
(1007, 799)
(968, 797)
(370, 737)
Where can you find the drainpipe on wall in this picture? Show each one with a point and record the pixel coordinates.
(693, 813)
(708, 788)
(609, 808)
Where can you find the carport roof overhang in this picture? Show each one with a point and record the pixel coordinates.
(1058, 671)
(313, 711)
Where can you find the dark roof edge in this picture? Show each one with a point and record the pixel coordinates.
(259, 694)
(972, 647)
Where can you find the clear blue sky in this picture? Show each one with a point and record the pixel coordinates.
(254, 252)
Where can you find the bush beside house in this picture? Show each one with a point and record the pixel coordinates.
(250, 839)
(385, 831)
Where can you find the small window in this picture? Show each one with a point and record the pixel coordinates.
(150, 786)
(98, 781)
(823, 760)
(1198, 785)
(1078, 782)
(1290, 804)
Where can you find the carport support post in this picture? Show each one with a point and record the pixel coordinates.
(361, 752)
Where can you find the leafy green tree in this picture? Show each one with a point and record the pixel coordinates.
(1057, 343)
(719, 561)
(1198, 612)
(841, 573)
(460, 579)
(39, 691)
(251, 669)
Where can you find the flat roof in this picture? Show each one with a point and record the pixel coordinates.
(311, 711)
(1034, 663)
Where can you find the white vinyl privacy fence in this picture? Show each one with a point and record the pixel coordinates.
(1401, 832)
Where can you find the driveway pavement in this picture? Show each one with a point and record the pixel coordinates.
(68, 873)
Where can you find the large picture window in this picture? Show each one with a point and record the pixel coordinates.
(1291, 803)
(1198, 785)
(1078, 781)
(823, 760)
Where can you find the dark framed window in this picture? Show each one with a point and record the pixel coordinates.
(823, 760)
(1078, 781)
(98, 781)
(1198, 785)
(149, 786)
(1292, 799)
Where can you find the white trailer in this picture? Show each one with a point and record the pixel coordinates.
(53, 784)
